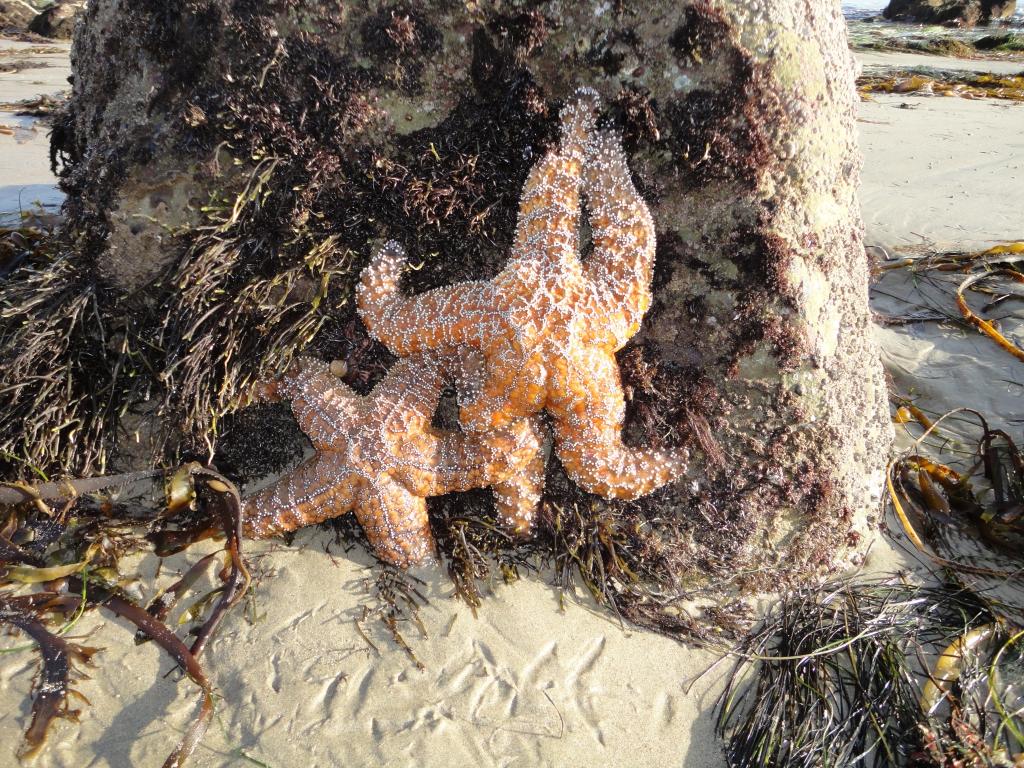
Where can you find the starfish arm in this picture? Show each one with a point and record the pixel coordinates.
(512, 388)
(405, 401)
(395, 522)
(320, 488)
(620, 268)
(588, 415)
(518, 496)
(509, 460)
(324, 406)
(452, 462)
(579, 119)
(476, 460)
(547, 229)
(447, 316)
(431, 462)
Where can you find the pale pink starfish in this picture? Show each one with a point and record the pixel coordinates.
(380, 457)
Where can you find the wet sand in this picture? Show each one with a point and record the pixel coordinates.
(940, 171)
(26, 182)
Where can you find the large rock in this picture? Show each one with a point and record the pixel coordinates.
(231, 167)
(966, 13)
(15, 14)
(57, 21)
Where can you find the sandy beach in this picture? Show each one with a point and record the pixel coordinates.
(942, 172)
(531, 680)
(26, 182)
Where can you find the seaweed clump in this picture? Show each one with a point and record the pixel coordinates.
(840, 678)
(972, 85)
(391, 35)
(55, 565)
(719, 129)
(63, 385)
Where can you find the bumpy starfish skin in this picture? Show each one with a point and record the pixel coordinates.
(379, 456)
(548, 325)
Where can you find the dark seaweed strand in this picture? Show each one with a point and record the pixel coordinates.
(229, 509)
(53, 686)
(227, 503)
(25, 612)
(162, 636)
(830, 677)
(163, 603)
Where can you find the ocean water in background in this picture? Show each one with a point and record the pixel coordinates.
(859, 9)
(867, 30)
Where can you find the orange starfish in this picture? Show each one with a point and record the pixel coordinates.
(379, 456)
(549, 324)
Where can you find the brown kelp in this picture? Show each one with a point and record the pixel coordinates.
(52, 688)
(975, 537)
(632, 567)
(43, 105)
(966, 85)
(994, 273)
(982, 272)
(477, 548)
(60, 545)
(890, 672)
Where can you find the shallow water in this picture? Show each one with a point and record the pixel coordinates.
(861, 8)
(864, 34)
(26, 182)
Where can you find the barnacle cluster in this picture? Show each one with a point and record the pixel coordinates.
(539, 336)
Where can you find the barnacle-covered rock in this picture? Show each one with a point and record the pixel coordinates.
(257, 152)
(961, 12)
(15, 14)
(57, 21)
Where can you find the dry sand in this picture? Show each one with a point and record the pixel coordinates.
(524, 683)
(942, 171)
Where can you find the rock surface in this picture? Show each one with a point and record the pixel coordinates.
(298, 136)
(15, 14)
(57, 21)
(965, 13)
